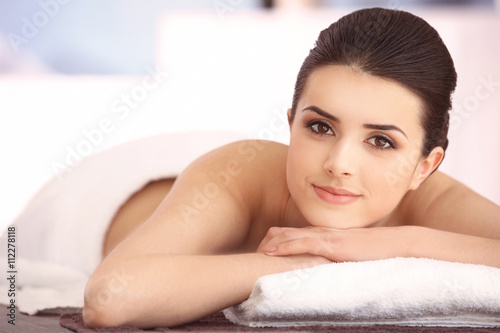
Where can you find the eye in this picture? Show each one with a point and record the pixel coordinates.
(382, 142)
(319, 127)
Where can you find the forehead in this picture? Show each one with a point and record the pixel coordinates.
(355, 96)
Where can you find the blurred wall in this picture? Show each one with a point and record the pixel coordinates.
(111, 37)
(153, 67)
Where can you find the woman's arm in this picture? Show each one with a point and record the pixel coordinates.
(362, 244)
(442, 220)
(177, 266)
(169, 290)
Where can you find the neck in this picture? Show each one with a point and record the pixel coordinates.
(391, 220)
(292, 217)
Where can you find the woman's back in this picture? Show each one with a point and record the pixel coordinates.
(246, 178)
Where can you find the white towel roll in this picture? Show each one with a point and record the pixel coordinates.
(399, 291)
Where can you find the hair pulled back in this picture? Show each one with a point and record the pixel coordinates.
(393, 45)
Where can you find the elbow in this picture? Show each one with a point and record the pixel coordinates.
(102, 307)
(110, 301)
(95, 312)
(98, 314)
(117, 295)
(95, 318)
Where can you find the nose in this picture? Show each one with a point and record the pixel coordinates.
(341, 160)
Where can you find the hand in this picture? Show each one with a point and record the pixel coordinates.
(356, 244)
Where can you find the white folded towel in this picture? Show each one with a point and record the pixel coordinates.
(399, 291)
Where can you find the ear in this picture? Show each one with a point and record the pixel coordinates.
(426, 167)
(288, 115)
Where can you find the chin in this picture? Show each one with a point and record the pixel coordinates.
(337, 220)
(341, 217)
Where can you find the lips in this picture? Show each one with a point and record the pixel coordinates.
(334, 195)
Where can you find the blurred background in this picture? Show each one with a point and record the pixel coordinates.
(78, 77)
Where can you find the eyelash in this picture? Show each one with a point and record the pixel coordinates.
(391, 143)
(312, 124)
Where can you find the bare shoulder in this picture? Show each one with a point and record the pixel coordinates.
(246, 153)
(444, 203)
(241, 167)
(214, 202)
(252, 152)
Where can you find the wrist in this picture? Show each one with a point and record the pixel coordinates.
(415, 238)
(293, 262)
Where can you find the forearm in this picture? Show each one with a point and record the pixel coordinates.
(362, 244)
(167, 290)
(449, 246)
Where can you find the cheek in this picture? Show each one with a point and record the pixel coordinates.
(301, 163)
(387, 181)
(295, 166)
(398, 173)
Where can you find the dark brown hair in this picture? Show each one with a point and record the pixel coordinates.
(397, 46)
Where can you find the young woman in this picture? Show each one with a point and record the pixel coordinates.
(368, 126)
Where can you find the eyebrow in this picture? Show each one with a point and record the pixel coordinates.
(321, 113)
(325, 114)
(385, 128)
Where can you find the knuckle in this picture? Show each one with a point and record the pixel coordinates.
(273, 231)
(284, 247)
(289, 247)
(288, 233)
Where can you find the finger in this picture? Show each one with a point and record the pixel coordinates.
(305, 245)
(274, 236)
(271, 233)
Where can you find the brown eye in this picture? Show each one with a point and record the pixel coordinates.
(381, 142)
(321, 128)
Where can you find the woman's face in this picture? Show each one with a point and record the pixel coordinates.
(354, 148)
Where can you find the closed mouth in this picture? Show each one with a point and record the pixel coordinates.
(335, 195)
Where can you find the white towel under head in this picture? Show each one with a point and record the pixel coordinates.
(399, 291)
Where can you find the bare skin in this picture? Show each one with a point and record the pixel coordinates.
(223, 249)
(253, 208)
(135, 211)
(193, 239)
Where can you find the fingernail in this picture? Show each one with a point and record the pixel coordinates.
(271, 249)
